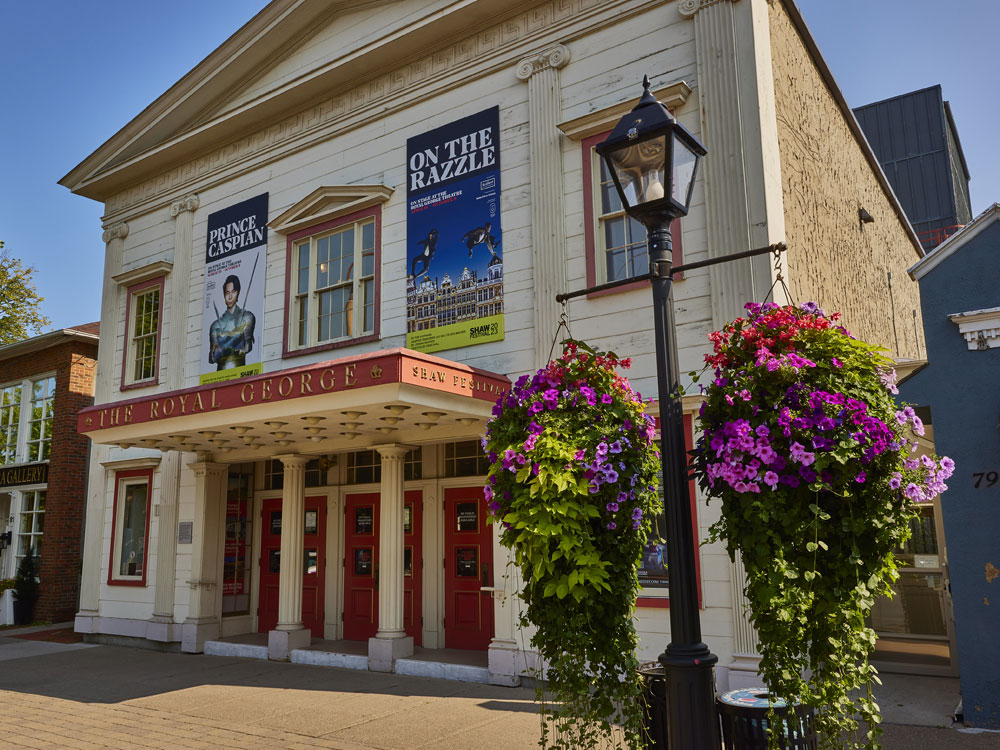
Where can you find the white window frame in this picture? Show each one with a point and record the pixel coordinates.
(34, 535)
(134, 307)
(35, 447)
(22, 441)
(304, 305)
(124, 480)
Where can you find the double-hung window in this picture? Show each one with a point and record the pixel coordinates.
(10, 420)
(333, 267)
(144, 312)
(39, 442)
(130, 527)
(334, 285)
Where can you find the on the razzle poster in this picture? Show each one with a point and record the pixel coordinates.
(454, 257)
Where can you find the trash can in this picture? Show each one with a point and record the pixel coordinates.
(654, 704)
(743, 715)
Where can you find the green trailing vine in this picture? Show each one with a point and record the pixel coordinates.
(572, 488)
(818, 479)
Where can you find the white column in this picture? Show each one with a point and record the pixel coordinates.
(290, 634)
(505, 660)
(390, 642)
(548, 214)
(204, 619)
(93, 537)
(743, 195)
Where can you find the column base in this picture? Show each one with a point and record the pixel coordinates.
(744, 671)
(160, 628)
(85, 622)
(281, 643)
(503, 659)
(383, 652)
(194, 634)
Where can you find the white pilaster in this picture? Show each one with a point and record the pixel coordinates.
(179, 284)
(204, 618)
(745, 666)
(161, 624)
(93, 538)
(548, 232)
(390, 642)
(739, 128)
(504, 657)
(289, 633)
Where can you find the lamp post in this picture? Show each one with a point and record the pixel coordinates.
(653, 160)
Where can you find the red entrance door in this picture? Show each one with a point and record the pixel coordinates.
(313, 571)
(468, 539)
(361, 565)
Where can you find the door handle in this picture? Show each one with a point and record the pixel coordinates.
(485, 575)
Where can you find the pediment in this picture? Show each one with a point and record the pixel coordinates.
(328, 203)
(289, 57)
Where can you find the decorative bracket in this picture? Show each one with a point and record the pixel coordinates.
(979, 328)
(187, 203)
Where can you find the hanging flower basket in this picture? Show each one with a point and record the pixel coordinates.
(572, 485)
(812, 461)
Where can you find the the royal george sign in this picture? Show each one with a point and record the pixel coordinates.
(235, 258)
(454, 254)
(347, 374)
(23, 475)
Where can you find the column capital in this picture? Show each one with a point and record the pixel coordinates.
(689, 8)
(187, 203)
(117, 231)
(393, 450)
(292, 460)
(554, 57)
(207, 468)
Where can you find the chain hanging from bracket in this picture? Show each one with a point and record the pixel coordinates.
(563, 324)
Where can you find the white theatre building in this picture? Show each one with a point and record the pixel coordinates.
(338, 239)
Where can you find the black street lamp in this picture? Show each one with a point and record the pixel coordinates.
(654, 160)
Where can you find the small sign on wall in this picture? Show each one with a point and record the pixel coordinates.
(185, 532)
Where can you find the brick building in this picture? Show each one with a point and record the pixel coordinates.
(44, 382)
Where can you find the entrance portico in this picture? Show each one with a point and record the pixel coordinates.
(292, 529)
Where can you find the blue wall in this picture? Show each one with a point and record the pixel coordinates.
(962, 388)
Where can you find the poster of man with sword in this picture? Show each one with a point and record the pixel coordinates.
(237, 238)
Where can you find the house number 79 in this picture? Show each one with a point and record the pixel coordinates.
(990, 477)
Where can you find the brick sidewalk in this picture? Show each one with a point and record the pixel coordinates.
(69, 697)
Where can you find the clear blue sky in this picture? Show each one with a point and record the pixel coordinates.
(75, 72)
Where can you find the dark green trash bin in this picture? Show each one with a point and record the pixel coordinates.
(654, 701)
(743, 716)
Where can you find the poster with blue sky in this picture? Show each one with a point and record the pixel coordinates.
(454, 257)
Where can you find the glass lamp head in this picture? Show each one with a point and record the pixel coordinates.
(653, 160)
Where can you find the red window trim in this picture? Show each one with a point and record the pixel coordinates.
(113, 560)
(663, 602)
(131, 292)
(591, 228)
(375, 211)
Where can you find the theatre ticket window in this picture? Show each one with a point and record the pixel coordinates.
(130, 534)
(236, 556)
(333, 290)
(142, 345)
(615, 242)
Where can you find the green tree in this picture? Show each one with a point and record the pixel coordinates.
(19, 314)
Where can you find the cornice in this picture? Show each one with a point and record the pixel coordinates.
(979, 328)
(143, 273)
(554, 57)
(672, 97)
(493, 49)
(328, 203)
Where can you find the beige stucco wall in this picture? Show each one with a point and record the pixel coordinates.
(833, 259)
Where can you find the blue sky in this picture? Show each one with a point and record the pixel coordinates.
(75, 72)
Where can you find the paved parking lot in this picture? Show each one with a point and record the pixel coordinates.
(88, 697)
